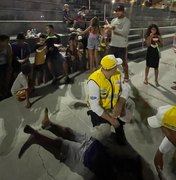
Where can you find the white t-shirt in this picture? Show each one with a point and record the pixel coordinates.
(21, 82)
(165, 146)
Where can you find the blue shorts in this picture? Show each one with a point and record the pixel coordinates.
(93, 43)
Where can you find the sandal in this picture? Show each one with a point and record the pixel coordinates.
(157, 84)
(173, 87)
(125, 80)
(146, 82)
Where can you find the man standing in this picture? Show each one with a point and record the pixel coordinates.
(108, 98)
(5, 65)
(120, 27)
(21, 53)
(52, 43)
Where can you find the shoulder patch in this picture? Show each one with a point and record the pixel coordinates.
(93, 97)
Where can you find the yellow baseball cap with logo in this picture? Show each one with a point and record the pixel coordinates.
(166, 116)
(110, 61)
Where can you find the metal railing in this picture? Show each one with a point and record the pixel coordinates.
(142, 32)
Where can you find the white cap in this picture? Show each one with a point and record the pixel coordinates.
(156, 121)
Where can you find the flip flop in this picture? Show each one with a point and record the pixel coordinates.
(146, 82)
(125, 80)
(157, 84)
(173, 87)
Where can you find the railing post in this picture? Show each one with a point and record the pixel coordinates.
(105, 12)
(143, 38)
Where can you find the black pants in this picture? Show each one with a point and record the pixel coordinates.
(97, 120)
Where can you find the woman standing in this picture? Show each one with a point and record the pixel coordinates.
(93, 43)
(153, 41)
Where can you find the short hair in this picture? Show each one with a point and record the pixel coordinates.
(42, 36)
(21, 36)
(26, 68)
(4, 37)
(50, 26)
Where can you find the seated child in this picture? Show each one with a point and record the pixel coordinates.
(21, 88)
(39, 63)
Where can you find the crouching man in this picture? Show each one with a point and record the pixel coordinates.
(108, 98)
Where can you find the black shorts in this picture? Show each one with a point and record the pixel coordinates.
(119, 52)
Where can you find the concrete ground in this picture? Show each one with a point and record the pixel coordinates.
(67, 106)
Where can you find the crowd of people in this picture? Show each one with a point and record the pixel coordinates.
(108, 98)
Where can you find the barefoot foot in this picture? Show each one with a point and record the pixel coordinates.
(46, 122)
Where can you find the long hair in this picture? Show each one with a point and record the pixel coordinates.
(149, 30)
(95, 24)
(73, 36)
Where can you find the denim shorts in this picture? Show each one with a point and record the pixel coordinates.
(93, 43)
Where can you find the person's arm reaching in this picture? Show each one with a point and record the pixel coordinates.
(85, 31)
(164, 147)
(94, 95)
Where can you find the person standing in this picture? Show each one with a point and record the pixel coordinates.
(153, 41)
(5, 64)
(108, 99)
(21, 53)
(93, 43)
(52, 43)
(39, 61)
(120, 27)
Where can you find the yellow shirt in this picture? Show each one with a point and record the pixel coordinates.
(40, 55)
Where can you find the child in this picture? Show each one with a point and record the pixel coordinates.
(153, 41)
(93, 43)
(21, 88)
(73, 48)
(39, 63)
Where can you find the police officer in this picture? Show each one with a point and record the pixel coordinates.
(108, 98)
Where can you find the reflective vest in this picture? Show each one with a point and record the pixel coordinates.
(109, 88)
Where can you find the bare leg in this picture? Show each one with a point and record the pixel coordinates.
(60, 131)
(156, 77)
(91, 60)
(51, 69)
(125, 68)
(65, 67)
(96, 58)
(51, 145)
(146, 75)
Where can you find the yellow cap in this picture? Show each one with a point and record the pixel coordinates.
(166, 116)
(109, 61)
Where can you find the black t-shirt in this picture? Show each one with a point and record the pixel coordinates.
(50, 41)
